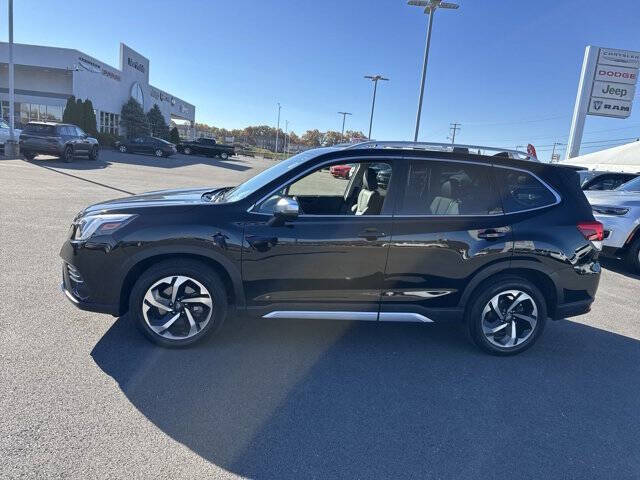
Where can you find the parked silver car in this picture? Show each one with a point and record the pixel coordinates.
(619, 212)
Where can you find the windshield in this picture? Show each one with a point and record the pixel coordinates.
(630, 186)
(255, 183)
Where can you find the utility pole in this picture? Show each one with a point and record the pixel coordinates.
(13, 148)
(286, 130)
(344, 115)
(374, 79)
(430, 8)
(278, 126)
(553, 152)
(454, 127)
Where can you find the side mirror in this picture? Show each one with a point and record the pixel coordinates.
(286, 208)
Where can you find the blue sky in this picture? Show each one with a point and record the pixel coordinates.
(506, 69)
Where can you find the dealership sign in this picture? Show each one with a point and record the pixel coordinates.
(606, 88)
(614, 83)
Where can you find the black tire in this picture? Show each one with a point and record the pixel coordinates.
(122, 148)
(633, 255)
(29, 155)
(67, 155)
(480, 299)
(193, 269)
(94, 153)
(186, 151)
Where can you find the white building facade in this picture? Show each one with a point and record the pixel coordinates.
(45, 77)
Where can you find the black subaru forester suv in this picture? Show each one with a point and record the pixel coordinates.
(497, 242)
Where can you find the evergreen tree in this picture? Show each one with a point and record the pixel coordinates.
(89, 123)
(133, 119)
(78, 114)
(69, 110)
(157, 123)
(174, 135)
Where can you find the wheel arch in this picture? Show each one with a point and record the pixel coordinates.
(229, 275)
(531, 272)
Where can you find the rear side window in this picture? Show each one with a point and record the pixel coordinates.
(39, 129)
(449, 188)
(522, 191)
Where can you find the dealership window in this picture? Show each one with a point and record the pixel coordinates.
(136, 93)
(109, 123)
(26, 112)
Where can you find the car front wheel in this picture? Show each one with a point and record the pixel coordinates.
(29, 155)
(67, 155)
(122, 148)
(224, 155)
(178, 302)
(187, 151)
(507, 316)
(633, 255)
(94, 153)
(158, 153)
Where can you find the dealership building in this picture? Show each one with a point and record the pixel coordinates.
(45, 77)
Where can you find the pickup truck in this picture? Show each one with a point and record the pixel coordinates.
(206, 146)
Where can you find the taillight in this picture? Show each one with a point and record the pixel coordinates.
(592, 231)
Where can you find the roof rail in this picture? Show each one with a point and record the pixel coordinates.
(446, 147)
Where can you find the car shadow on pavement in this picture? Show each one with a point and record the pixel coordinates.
(301, 399)
(80, 163)
(618, 266)
(178, 160)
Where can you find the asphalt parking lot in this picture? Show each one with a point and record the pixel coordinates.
(86, 396)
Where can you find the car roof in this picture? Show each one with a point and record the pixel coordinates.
(52, 124)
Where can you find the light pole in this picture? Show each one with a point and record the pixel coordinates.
(13, 149)
(278, 127)
(286, 131)
(430, 8)
(344, 115)
(374, 79)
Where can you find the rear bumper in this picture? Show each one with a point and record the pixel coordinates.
(617, 229)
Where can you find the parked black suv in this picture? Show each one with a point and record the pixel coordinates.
(500, 243)
(59, 139)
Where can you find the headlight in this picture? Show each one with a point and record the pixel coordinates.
(607, 210)
(105, 224)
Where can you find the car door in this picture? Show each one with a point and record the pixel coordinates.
(448, 225)
(326, 263)
(81, 141)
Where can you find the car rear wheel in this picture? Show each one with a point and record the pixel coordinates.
(224, 155)
(67, 155)
(187, 151)
(29, 155)
(158, 153)
(122, 149)
(94, 153)
(507, 316)
(178, 302)
(633, 255)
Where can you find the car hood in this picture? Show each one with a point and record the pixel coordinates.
(159, 198)
(613, 198)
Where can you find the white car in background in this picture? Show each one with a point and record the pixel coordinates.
(4, 132)
(619, 212)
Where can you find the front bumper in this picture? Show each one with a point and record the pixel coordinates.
(617, 229)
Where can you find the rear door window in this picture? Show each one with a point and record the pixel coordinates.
(522, 191)
(441, 188)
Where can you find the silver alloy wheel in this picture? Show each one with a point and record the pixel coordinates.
(68, 154)
(177, 307)
(158, 153)
(187, 151)
(509, 318)
(122, 148)
(224, 156)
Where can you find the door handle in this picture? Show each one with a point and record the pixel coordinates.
(491, 233)
(371, 234)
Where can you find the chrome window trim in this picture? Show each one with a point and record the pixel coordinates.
(315, 167)
(395, 215)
